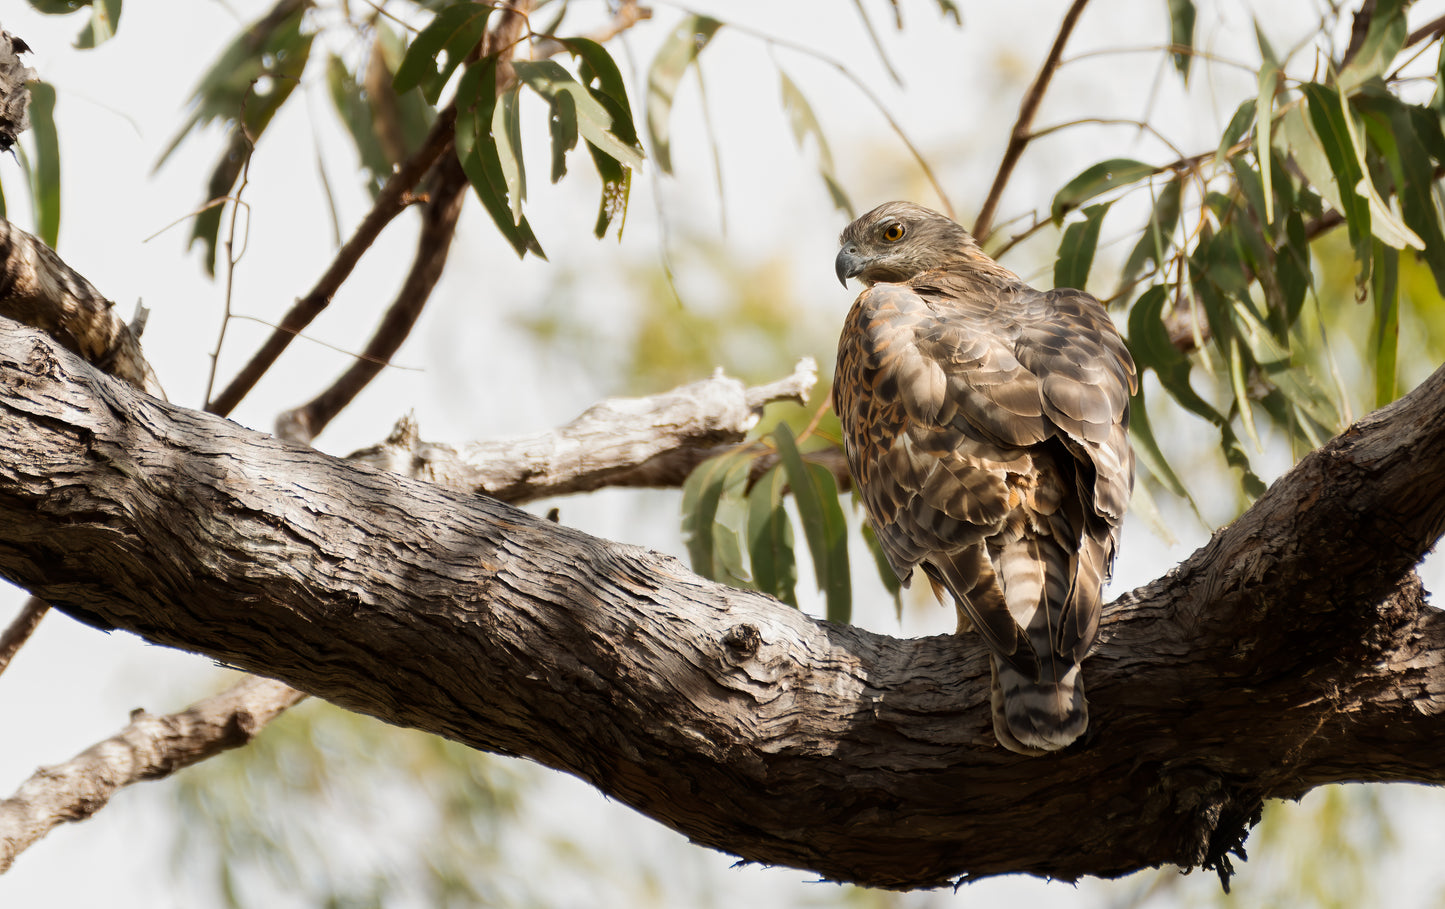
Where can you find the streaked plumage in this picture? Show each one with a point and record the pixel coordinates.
(986, 426)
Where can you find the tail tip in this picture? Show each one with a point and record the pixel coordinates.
(1033, 718)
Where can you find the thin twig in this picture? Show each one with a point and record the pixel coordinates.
(627, 15)
(151, 747)
(20, 629)
(232, 257)
(1019, 138)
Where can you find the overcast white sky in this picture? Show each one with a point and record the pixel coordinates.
(119, 107)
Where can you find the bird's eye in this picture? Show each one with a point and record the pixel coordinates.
(893, 233)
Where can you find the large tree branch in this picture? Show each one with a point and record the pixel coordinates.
(1293, 650)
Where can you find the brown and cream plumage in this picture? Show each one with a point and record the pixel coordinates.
(986, 426)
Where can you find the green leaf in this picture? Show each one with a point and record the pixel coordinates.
(816, 494)
(1076, 249)
(1147, 447)
(1413, 127)
(406, 115)
(45, 172)
(700, 495)
(479, 156)
(1263, 117)
(1149, 342)
(1384, 224)
(1328, 119)
(104, 20)
(355, 114)
(274, 49)
(1239, 365)
(455, 32)
(1238, 125)
(770, 539)
(253, 78)
(562, 126)
(1385, 333)
(507, 132)
(805, 123)
(949, 10)
(1158, 236)
(99, 28)
(610, 90)
(1382, 43)
(678, 52)
(548, 78)
(1096, 180)
(1181, 34)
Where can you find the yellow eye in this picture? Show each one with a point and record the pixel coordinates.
(893, 233)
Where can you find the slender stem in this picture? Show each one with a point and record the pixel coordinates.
(20, 629)
(1019, 139)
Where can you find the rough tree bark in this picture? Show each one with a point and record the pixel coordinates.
(1292, 651)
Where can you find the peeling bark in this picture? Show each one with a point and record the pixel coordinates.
(1292, 651)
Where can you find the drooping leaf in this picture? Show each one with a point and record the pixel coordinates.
(1263, 119)
(1076, 249)
(562, 126)
(805, 123)
(253, 78)
(104, 20)
(677, 54)
(701, 493)
(770, 539)
(1239, 365)
(1384, 223)
(1096, 180)
(99, 27)
(480, 159)
(45, 169)
(507, 132)
(355, 114)
(1327, 118)
(816, 494)
(548, 78)
(1146, 446)
(1383, 40)
(272, 47)
(402, 119)
(440, 48)
(1181, 35)
(1158, 236)
(599, 73)
(1239, 124)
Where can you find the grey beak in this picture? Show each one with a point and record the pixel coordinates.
(848, 264)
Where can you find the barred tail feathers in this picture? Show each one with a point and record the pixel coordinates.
(1045, 713)
(1032, 717)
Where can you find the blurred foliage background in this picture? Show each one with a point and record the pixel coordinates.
(1253, 190)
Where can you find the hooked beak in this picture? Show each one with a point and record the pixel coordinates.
(848, 264)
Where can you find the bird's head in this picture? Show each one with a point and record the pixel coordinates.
(899, 240)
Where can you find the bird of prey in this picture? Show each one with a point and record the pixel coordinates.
(986, 427)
